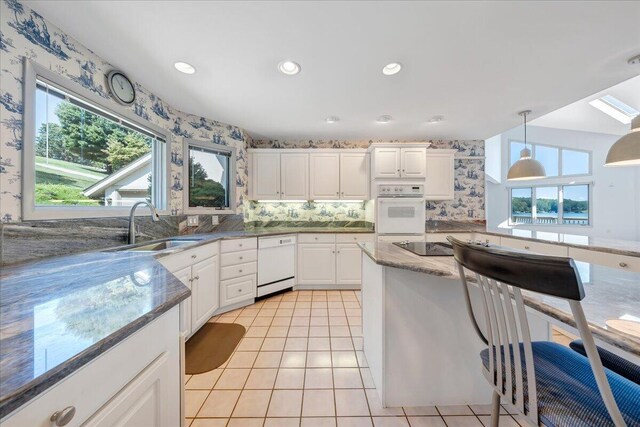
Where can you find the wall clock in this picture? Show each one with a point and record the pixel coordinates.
(121, 87)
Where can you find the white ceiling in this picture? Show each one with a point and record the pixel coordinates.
(476, 63)
(582, 116)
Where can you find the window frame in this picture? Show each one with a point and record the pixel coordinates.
(560, 149)
(185, 173)
(534, 211)
(33, 71)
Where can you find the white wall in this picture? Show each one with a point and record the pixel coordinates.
(615, 204)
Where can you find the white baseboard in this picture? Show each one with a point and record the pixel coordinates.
(333, 287)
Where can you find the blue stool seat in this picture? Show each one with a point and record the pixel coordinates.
(612, 361)
(567, 392)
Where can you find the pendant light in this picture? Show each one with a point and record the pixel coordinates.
(527, 167)
(626, 151)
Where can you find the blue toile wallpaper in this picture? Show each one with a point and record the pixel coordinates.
(24, 33)
(468, 203)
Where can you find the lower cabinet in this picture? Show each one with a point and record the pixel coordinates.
(204, 291)
(236, 290)
(316, 264)
(348, 264)
(137, 382)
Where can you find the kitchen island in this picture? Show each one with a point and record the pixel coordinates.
(419, 342)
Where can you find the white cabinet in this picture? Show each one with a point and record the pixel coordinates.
(330, 260)
(386, 163)
(398, 162)
(204, 291)
(413, 162)
(237, 290)
(294, 176)
(316, 264)
(325, 176)
(625, 262)
(265, 176)
(238, 273)
(354, 176)
(439, 175)
(184, 275)
(537, 247)
(348, 264)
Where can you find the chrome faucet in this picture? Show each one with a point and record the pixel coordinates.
(132, 228)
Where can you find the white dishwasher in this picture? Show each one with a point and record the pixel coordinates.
(276, 263)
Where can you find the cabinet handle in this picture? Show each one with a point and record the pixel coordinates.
(191, 280)
(240, 257)
(333, 252)
(194, 256)
(62, 418)
(240, 271)
(239, 290)
(527, 247)
(196, 278)
(316, 238)
(623, 264)
(337, 193)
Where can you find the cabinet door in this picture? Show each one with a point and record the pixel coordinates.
(265, 168)
(354, 176)
(386, 163)
(204, 291)
(316, 264)
(237, 290)
(145, 401)
(294, 176)
(348, 264)
(325, 176)
(184, 275)
(414, 162)
(439, 182)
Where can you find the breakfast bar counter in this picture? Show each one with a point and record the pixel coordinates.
(419, 341)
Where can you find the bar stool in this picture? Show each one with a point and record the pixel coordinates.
(548, 383)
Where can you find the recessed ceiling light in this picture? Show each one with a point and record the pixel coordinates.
(384, 119)
(435, 119)
(615, 108)
(289, 68)
(183, 67)
(391, 69)
(331, 119)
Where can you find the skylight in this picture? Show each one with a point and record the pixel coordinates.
(615, 108)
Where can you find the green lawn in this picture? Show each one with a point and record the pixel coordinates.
(72, 166)
(61, 183)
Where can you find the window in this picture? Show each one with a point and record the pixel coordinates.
(552, 205)
(557, 161)
(85, 160)
(210, 171)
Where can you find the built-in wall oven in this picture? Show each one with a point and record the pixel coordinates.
(400, 209)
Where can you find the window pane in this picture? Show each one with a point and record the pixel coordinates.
(84, 159)
(548, 156)
(208, 178)
(575, 199)
(575, 162)
(515, 149)
(546, 205)
(521, 205)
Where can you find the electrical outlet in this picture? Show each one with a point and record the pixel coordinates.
(192, 220)
(214, 220)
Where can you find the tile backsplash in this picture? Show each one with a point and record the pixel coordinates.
(310, 211)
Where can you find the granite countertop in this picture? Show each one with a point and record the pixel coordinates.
(57, 314)
(602, 244)
(453, 226)
(610, 293)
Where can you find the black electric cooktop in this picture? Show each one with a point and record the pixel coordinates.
(427, 249)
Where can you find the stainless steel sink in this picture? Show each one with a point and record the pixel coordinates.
(162, 245)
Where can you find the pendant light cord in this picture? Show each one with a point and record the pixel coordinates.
(525, 129)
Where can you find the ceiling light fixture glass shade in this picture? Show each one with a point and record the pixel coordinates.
(383, 119)
(527, 167)
(289, 68)
(391, 69)
(626, 151)
(331, 119)
(184, 67)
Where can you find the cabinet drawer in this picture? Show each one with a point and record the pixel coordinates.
(175, 262)
(241, 257)
(355, 237)
(93, 385)
(238, 270)
(316, 238)
(238, 289)
(625, 262)
(235, 245)
(537, 247)
(442, 237)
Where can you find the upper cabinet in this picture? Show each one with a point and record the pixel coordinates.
(440, 175)
(396, 162)
(325, 176)
(294, 176)
(354, 176)
(265, 176)
(299, 174)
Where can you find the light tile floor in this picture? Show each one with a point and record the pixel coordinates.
(301, 364)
